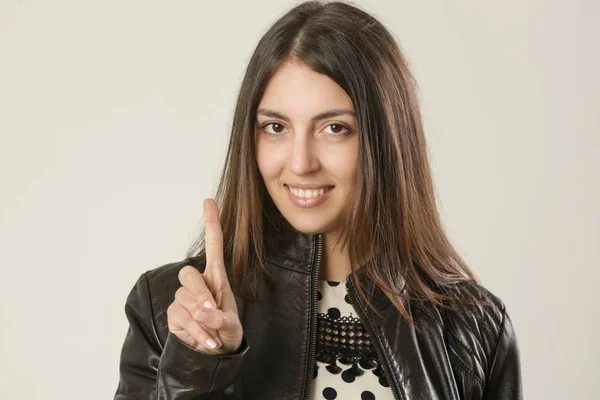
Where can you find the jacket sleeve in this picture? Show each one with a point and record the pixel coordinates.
(175, 371)
(504, 379)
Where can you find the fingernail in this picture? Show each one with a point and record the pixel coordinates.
(211, 343)
(209, 304)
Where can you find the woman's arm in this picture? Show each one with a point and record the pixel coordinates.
(149, 370)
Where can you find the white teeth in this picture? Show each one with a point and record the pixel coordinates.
(307, 194)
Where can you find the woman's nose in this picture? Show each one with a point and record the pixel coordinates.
(303, 159)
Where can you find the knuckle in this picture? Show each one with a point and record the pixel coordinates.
(185, 272)
(173, 313)
(182, 296)
(170, 311)
(173, 308)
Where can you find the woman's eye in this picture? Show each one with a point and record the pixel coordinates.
(338, 129)
(276, 128)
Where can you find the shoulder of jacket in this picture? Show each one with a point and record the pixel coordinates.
(167, 274)
(483, 320)
(474, 329)
(471, 330)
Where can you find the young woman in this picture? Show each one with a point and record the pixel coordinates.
(326, 273)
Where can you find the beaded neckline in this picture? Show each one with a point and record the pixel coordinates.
(345, 340)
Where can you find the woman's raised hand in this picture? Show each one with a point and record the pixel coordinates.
(204, 314)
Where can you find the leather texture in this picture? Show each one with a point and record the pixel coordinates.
(471, 353)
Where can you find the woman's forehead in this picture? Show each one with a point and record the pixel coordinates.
(298, 92)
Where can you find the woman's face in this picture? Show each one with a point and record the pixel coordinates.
(307, 147)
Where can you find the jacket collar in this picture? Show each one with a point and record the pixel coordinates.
(284, 245)
(291, 249)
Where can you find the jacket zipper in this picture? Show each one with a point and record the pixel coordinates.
(374, 340)
(313, 305)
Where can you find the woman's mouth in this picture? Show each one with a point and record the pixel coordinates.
(308, 197)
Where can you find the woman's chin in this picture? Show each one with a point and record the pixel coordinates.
(307, 226)
(309, 221)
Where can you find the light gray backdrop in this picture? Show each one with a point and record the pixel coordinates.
(115, 114)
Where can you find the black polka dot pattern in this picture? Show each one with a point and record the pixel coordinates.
(329, 393)
(348, 377)
(366, 395)
(346, 363)
(334, 369)
(334, 313)
(367, 364)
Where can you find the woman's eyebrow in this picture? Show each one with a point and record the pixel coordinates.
(326, 114)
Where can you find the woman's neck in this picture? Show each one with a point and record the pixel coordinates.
(335, 265)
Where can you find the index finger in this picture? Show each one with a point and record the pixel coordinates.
(213, 240)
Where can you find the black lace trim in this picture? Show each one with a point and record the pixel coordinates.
(345, 340)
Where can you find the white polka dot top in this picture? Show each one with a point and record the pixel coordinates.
(347, 366)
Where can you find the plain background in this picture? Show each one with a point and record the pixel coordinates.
(114, 120)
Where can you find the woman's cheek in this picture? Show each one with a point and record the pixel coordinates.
(271, 158)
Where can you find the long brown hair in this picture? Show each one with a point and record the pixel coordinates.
(393, 230)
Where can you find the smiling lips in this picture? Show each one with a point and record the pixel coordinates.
(308, 197)
(309, 193)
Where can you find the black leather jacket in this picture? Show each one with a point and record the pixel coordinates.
(467, 355)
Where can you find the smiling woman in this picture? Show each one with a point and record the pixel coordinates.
(327, 273)
(307, 151)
